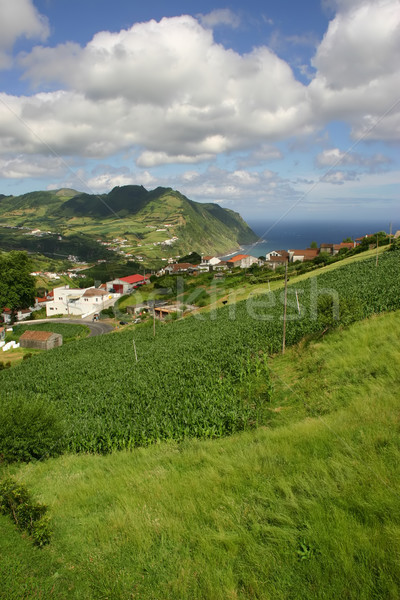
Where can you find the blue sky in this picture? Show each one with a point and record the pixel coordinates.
(271, 109)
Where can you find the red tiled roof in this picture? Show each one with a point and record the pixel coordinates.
(277, 259)
(39, 300)
(134, 278)
(40, 336)
(343, 245)
(237, 257)
(307, 253)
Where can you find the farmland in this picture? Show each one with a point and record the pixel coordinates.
(305, 509)
(205, 376)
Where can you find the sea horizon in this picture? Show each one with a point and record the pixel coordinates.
(297, 235)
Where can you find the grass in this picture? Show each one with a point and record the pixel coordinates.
(306, 508)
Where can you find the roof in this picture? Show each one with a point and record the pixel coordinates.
(325, 246)
(277, 259)
(40, 336)
(94, 292)
(181, 266)
(343, 245)
(238, 257)
(134, 278)
(39, 300)
(307, 253)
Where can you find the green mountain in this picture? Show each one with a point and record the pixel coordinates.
(145, 219)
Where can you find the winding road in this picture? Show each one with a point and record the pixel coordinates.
(96, 328)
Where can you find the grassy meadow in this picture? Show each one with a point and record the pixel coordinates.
(306, 507)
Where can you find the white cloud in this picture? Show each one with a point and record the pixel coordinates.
(335, 157)
(153, 159)
(168, 92)
(340, 177)
(19, 18)
(166, 88)
(358, 74)
(222, 16)
(21, 167)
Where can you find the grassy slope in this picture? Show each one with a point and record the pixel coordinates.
(226, 518)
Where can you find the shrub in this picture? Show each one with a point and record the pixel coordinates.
(29, 516)
(29, 430)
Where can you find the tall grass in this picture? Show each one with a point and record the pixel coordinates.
(308, 508)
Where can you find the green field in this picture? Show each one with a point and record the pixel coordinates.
(304, 508)
(205, 376)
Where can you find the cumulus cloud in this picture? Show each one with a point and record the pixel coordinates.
(168, 92)
(358, 75)
(20, 167)
(221, 16)
(335, 157)
(339, 177)
(165, 87)
(153, 159)
(19, 18)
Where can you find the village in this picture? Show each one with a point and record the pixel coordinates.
(87, 303)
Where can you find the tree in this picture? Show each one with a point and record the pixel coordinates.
(17, 285)
(313, 245)
(347, 240)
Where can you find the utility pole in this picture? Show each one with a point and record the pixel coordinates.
(390, 234)
(134, 347)
(154, 319)
(377, 245)
(284, 310)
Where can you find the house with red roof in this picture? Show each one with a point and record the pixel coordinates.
(244, 261)
(303, 255)
(124, 285)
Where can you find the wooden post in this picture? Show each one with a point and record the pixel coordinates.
(377, 245)
(134, 347)
(154, 319)
(284, 311)
(297, 299)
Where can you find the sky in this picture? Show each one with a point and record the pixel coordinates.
(278, 110)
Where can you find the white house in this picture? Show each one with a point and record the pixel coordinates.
(208, 262)
(244, 261)
(77, 302)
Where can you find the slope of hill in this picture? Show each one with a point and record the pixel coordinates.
(135, 214)
(194, 378)
(308, 509)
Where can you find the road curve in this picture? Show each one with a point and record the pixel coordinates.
(96, 328)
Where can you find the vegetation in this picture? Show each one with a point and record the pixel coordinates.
(130, 212)
(305, 508)
(29, 516)
(194, 379)
(29, 429)
(17, 286)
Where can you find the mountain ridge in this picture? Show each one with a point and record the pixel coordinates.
(132, 212)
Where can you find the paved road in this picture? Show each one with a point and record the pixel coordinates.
(96, 328)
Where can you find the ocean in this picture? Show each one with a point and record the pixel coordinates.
(298, 235)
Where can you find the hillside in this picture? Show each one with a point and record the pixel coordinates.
(304, 508)
(134, 214)
(109, 401)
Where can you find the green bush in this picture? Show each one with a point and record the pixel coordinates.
(29, 516)
(29, 430)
